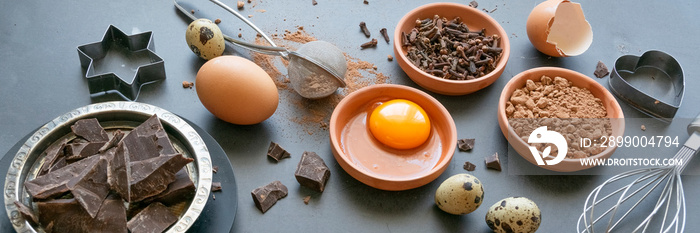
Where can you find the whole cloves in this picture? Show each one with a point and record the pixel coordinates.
(370, 44)
(448, 49)
(363, 27)
(384, 34)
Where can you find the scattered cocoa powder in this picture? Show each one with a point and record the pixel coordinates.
(307, 112)
(569, 110)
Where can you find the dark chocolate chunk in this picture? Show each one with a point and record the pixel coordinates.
(78, 151)
(26, 212)
(51, 155)
(90, 129)
(116, 138)
(154, 218)
(493, 162)
(63, 215)
(152, 176)
(466, 144)
(312, 172)
(57, 182)
(112, 216)
(60, 163)
(141, 139)
(601, 70)
(474, 4)
(216, 186)
(182, 189)
(266, 196)
(276, 152)
(119, 172)
(91, 188)
(469, 166)
(66, 215)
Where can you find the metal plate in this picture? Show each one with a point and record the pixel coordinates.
(112, 115)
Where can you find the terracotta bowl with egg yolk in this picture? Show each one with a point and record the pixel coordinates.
(381, 166)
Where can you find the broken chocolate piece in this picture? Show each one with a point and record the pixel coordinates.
(91, 188)
(216, 186)
(51, 155)
(474, 4)
(601, 70)
(276, 152)
(141, 139)
(466, 144)
(154, 218)
(152, 176)
(112, 216)
(182, 189)
(266, 196)
(78, 151)
(66, 215)
(469, 166)
(116, 138)
(119, 172)
(215, 169)
(26, 212)
(55, 183)
(493, 162)
(90, 129)
(312, 172)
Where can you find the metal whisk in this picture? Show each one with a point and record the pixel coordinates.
(671, 201)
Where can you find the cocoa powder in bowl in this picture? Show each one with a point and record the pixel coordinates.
(569, 110)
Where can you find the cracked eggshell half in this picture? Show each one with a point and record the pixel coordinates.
(558, 28)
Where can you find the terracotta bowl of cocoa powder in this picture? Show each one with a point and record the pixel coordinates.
(475, 19)
(382, 167)
(611, 114)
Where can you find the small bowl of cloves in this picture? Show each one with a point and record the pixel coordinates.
(450, 48)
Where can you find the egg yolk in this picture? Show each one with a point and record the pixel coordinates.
(400, 124)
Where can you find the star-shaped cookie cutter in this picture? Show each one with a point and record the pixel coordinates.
(98, 62)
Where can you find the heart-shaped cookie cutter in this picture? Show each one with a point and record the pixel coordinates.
(652, 83)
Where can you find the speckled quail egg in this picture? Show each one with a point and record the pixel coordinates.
(514, 214)
(205, 39)
(459, 194)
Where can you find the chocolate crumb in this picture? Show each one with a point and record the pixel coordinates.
(365, 2)
(390, 58)
(215, 186)
(313, 2)
(474, 4)
(469, 166)
(276, 152)
(186, 84)
(240, 35)
(307, 199)
(240, 4)
(493, 162)
(217, 21)
(656, 102)
(213, 196)
(466, 144)
(644, 128)
(250, 16)
(192, 11)
(601, 70)
(215, 169)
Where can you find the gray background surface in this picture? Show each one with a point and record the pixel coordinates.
(41, 78)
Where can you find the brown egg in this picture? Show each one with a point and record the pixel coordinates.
(236, 90)
(558, 28)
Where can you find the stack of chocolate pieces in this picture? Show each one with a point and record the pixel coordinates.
(84, 183)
